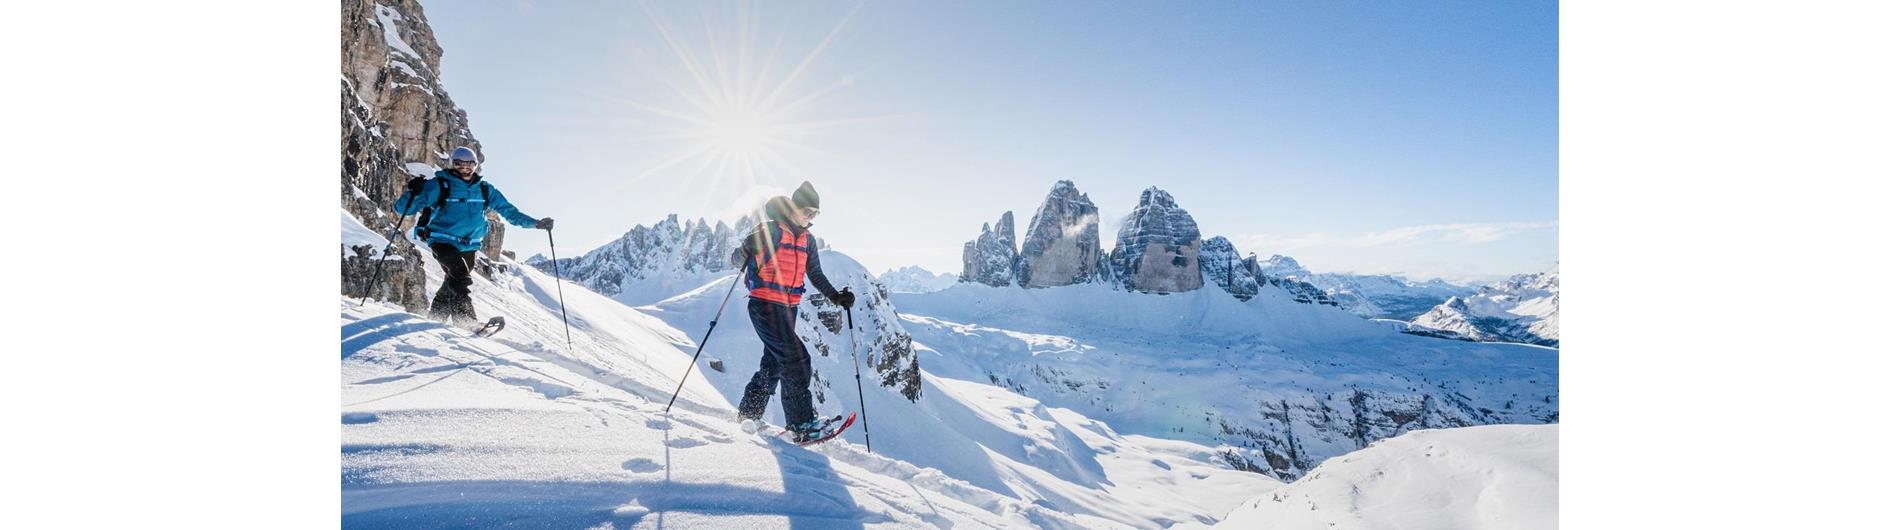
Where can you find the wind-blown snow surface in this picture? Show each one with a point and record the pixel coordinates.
(1284, 385)
(1498, 477)
(442, 430)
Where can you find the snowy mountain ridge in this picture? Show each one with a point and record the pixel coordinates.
(915, 279)
(1521, 308)
(650, 263)
(1370, 295)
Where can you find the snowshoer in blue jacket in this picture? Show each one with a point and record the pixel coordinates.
(457, 203)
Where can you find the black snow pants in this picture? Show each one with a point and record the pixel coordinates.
(452, 302)
(785, 366)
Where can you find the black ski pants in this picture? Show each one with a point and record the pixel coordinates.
(786, 366)
(452, 302)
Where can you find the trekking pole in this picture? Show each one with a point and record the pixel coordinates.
(378, 276)
(702, 340)
(856, 375)
(556, 261)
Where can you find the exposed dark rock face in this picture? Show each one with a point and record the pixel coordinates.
(1222, 265)
(991, 258)
(1062, 245)
(1158, 249)
(398, 121)
(890, 357)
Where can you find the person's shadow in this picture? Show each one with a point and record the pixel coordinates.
(815, 497)
(809, 475)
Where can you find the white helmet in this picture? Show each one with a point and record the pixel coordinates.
(464, 153)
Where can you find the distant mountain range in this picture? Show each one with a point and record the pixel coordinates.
(1522, 308)
(914, 279)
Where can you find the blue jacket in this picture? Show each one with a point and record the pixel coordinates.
(461, 221)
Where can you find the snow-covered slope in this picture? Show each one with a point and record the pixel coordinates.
(1498, 477)
(971, 430)
(1522, 308)
(442, 430)
(914, 279)
(1282, 384)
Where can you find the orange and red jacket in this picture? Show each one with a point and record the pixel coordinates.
(779, 259)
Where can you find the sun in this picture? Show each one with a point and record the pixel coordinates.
(744, 133)
(741, 111)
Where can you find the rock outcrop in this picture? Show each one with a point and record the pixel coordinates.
(398, 121)
(1062, 245)
(1158, 249)
(1222, 265)
(991, 258)
(890, 358)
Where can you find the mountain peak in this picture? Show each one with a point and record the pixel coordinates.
(1279, 266)
(1061, 245)
(1158, 247)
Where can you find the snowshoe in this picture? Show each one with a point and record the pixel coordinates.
(490, 328)
(820, 431)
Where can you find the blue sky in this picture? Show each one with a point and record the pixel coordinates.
(1408, 137)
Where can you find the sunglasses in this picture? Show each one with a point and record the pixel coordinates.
(810, 213)
(459, 163)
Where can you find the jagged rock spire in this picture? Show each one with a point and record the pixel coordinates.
(1062, 245)
(991, 258)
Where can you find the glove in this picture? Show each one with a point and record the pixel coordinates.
(546, 223)
(415, 186)
(845, 298)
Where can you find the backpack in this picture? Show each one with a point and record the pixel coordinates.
(441, 199)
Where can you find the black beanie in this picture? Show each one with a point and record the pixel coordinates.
(805, 197)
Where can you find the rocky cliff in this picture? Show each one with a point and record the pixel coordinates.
(1062, 245)
(1222, 265)
(990, 259)
(1158, 249)
(398, 122)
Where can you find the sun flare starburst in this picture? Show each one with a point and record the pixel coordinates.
(736, 114)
